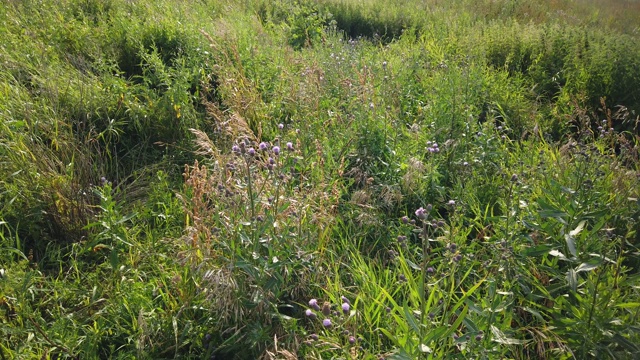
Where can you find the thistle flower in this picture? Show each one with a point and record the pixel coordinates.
(430, 270)
(344, 299)
(326, 323)
(346, 308)
(310, 314)
(262, 146)
(451, 203)
(314, 337)
(405, 220)
(352, 340)
(251, 151)
(280, 126)
(276, 150)
(421, 213)
(314, 304)
(289, 146)
(235, 149)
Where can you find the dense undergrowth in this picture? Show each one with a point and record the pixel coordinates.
(332, 179)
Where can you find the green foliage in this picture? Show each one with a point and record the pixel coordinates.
(451, 179)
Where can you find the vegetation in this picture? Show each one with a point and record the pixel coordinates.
(319, 179)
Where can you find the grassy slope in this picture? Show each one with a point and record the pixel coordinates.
(137, 222)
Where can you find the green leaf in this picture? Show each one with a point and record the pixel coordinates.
(572, 279)
(411, 320)
(537, 250)
(571, 244)
(589, 265)
(501, 338)
(622, 341)
(412, 264)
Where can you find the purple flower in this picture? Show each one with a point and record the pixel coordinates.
(326, 323)
(405, 220)
(344, 299)
(262, 146)
(314, 337)
(310, 313)
(451, 202)
(235, 149)
(346, 308)
(251, 151)
(430, 270)
(352, 340)
(314, 304)
(276, 150)
(280, 126)
(421, 213)
(289, 146)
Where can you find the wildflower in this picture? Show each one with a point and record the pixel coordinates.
(262, 146)
(310, 314)
(346, 308)
(280, 126)
(314, 337)
(326, 323)
(235, 149)
(405, 220)
(402, 238)
(421, 213)
(451, 202)
(457, 258)
(276, 150)
(430, 270)
(314, 304)
(251, 151)
(352, 340)
(344, 299)
(289, 146)
(271, 161)
(465, 164)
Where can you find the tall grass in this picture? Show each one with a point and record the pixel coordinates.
(333, 179)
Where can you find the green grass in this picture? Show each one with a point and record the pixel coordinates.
(180, 179)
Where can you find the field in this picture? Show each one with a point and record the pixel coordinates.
(332, 179)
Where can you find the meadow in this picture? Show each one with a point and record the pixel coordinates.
(332, 179)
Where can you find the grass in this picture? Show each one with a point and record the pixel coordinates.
(331, 179)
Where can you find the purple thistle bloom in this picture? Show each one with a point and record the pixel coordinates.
(276, 150)
(262, 146)
(289, 146)
(310, 314)
(314, 304)
(326, 323)
(405, 220)
(280, 126)
(235, 149)
(346, 308)
(430, 270)
(251, 151)
(344, 299)
(352, 340)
